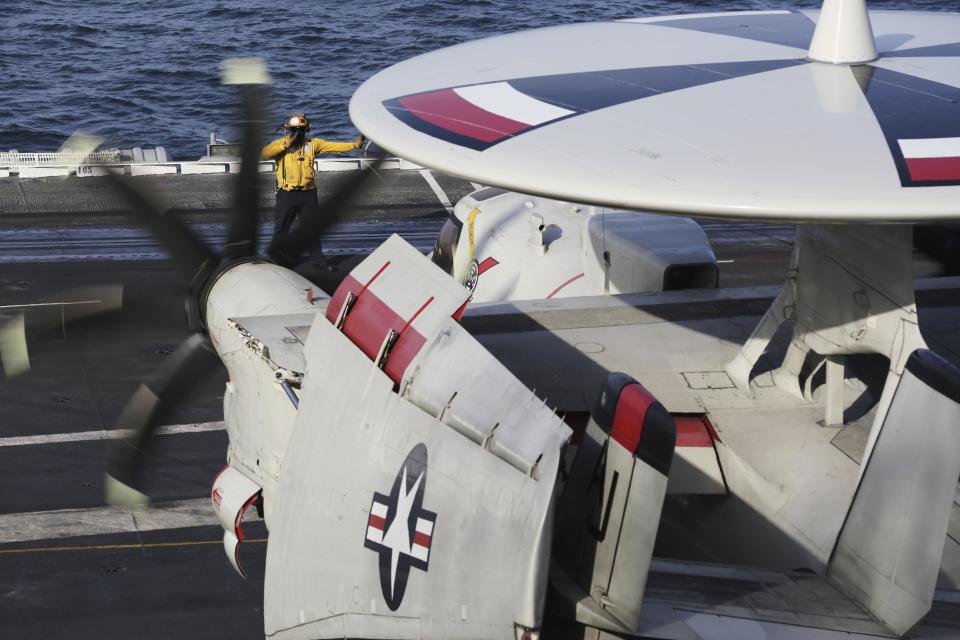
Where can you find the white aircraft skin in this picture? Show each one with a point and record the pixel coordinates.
(382, 380)
(511, 246)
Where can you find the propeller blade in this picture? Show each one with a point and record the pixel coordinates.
(48, 314)
(285, 249)
(242, 235)
(192, 256)
(170, 384)
(14, 356)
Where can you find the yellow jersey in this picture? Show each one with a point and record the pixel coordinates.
(295, 165)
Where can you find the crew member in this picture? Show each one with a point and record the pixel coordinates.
(296, 189)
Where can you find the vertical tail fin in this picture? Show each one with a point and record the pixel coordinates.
(610, 510)
(889, 550)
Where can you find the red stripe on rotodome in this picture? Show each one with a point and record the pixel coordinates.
(933, 169)
(449, 111)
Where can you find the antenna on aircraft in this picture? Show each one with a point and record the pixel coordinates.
(843, 34)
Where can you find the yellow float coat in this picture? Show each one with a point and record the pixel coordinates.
(295, 165)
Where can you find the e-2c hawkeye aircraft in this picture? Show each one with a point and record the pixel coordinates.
(416, 486)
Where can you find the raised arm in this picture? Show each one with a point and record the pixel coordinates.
(326, 146)
(275, 148)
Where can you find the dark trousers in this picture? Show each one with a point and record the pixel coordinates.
(293, 207)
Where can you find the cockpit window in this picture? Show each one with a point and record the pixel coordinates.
(487, 193)
(446, 244)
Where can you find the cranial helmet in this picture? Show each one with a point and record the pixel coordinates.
(297, 121)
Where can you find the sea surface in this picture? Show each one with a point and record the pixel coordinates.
(141, 73)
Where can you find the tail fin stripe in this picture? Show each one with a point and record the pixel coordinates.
(631, 412)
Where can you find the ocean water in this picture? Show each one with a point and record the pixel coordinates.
(143, 73)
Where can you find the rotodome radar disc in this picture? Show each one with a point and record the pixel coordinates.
(710, 114)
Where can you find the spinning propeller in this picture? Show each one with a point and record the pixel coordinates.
(72, 305)
(196, 357)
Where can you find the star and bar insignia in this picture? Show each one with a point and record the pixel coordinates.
(399, 529)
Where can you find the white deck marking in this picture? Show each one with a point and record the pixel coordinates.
(441, 194)
(48, 304)
(106, 434)
(71, 523)
(930, 148)
(505, 101)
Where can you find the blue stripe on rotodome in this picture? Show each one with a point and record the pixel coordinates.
(951, 50)
(412, 120)
(788, 29)
(909, 108)
(593, 90)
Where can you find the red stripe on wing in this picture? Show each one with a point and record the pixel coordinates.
(347, 286)
(369, 322)
(557, 290)
(488, 263)
(692, 432)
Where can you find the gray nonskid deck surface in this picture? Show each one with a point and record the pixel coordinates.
(396, 192)
(158, 585)
(74, 242)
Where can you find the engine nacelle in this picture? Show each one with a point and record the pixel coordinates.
(637, 252)
(511, 246)
(246, 311)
